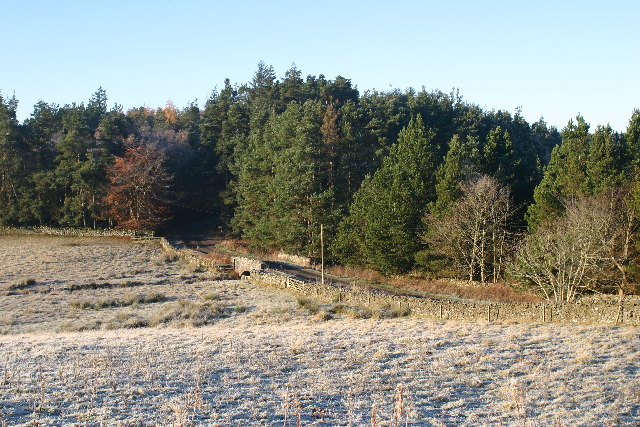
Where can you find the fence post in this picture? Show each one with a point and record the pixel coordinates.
(619, 318)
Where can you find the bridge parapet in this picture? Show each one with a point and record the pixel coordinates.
(244, 265)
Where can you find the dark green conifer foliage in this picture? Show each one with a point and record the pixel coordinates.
(331, 140)
(605, 167)
(96, 109)
(384, 114)
(467, 119)
(45, 122)
(565, 177)
(302, 193)
(498, 156)
(292, 87)
(339, 90)
(462, 163)
(544, 139)
(437, 111)
(282, 186)
(632, 142)
(79, 174)
(354, 157)
(41, 131)
(13, 157)
(263, 97)
(113, 130)
(189, 122)
(223, 126)
(583, 165)
(252, 160)
(381, 229)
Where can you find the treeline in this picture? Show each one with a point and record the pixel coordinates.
(400, 180)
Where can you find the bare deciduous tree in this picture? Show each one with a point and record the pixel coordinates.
(474, 234)
(589, 248)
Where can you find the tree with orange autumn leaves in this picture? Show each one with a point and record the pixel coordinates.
(139, 187)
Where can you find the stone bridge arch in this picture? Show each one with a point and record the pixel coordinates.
(243, 266)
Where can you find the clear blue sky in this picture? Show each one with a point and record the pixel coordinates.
(552, 58)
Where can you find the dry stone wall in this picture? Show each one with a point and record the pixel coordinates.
(296, 259)
(70, 232)
(601, 312)
(189, 256)
(588, 311)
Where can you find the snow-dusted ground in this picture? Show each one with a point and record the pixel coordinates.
(67, 271)
(271, 363)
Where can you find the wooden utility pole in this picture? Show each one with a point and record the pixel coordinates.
(322, 253)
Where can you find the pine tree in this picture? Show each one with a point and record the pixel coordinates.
(41, 130)
(12, 163)
(565, 177)
(45, 122)
(96, 109)
(114, 128)
(331, 141)
(300, 187)
(282, 187)
(605, 167)
(632, 142)
(292, 87)
(498, 156)
(544, 139)
(224, 125)
(339, 91)
(461, 164)
(353, 156)
(79, 173)
(72, 152)
(189, 122)
(263, 97)
(381, 228)
(224, 128)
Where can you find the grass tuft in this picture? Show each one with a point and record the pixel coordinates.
(167, 257)
(22, 285)
(351, 312)
(309, 305)
(391, 312)
(211, 297)
(186, 313)
(126, 320)
(323, 315)
(128, 300)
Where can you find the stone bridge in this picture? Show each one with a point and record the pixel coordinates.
(244, 266)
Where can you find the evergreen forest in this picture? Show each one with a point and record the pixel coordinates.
(402, 181)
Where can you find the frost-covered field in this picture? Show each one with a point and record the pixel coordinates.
(271, 363)
(69, 284)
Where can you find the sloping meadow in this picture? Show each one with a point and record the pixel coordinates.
(262, 359)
